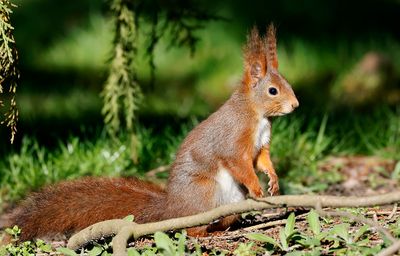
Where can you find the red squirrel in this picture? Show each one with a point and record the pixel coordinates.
(215, 165)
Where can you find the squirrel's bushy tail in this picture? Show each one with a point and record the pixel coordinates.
(73, 205)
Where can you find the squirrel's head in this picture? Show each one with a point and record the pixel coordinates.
(270, 91)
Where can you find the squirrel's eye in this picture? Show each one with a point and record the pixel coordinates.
(273, 91)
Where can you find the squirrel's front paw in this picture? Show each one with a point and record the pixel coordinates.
(273, 184)
(256, 193)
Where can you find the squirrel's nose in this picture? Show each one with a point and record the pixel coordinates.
(295, 103)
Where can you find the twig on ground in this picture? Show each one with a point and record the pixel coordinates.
(238, 234)
(391, 250)
(266, 225)
(270, 215)
(381, 212)
(125, 229)
(394, 210)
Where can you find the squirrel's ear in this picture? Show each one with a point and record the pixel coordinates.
(256, 70)
(272, 56)
(254, 58)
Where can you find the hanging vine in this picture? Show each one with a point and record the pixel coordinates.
(9, 73)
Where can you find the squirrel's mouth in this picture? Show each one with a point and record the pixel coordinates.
(275, 114)
(279, 109)
(281, 113)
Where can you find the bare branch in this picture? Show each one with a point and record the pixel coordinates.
(125, 229)
(391, 250)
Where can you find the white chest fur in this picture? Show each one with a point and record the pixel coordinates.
(263, 133)
(229, 191)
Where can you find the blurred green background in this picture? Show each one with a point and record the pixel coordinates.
(341, 57)
(64, 47)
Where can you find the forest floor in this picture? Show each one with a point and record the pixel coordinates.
(292, 231)
(364, 176)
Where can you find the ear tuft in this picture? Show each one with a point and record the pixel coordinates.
(254, 58)
(272, 56)
(254, 42)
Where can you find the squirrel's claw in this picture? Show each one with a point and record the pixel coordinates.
(256, 193)
(273, 184)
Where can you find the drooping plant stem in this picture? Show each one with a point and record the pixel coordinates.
(9, 74)
(177, 21)
(121, 93)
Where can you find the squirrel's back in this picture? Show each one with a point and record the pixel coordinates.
(73, 205)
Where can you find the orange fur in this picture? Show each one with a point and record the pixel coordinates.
(265, 165)
(73, 205)
(215, 164)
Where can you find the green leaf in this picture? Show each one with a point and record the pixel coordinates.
(309, 241)
(45, 248)
(97, 250)
(365, 242)
(283, 239)
(313, 221)
(244, 250)
(129, 218)
(342, 231)
(133, 252)
(263, 238)
(165, 243)
(289, 227)
(66, 251)
(42, 246)
(322, 235)
(181, 242)
(295, 253)
(14, 231)
(360, 232)
(197, 251)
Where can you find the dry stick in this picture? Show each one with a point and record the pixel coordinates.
(266, 225)
(134, 230)
(237, 234)
(378, 213)
(393, 212)
(391, 250)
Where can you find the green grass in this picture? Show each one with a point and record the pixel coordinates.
(298, 145)
(34, 165)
